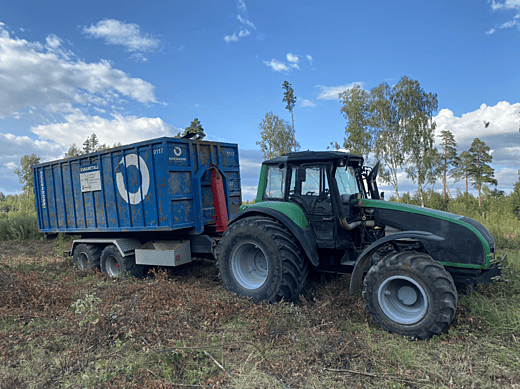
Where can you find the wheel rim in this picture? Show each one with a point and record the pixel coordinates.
(83, 261)
(112, 266)
(403, 300)
(249, 265)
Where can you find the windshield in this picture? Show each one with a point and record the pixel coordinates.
(347, 183)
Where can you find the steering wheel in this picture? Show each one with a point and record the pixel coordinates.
(309, 193)
(323, 196)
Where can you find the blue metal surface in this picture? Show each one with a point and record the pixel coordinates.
(158, 185)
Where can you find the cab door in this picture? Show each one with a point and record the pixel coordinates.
(309, 188)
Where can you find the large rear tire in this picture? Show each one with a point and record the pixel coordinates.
(411, 294)
(115, 265)
(86, 257)
(259, 258)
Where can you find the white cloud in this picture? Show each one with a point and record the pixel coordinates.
(125, 129)
(332, 92)
(231, 38)
(507, 5)
(501, 135)
(19, 146)
(246, 22)
(242, 18)
(32, 75)
(503, 118)
(277, 66)
(53, 42)
(308, 103)
(292, 58)
(509, 24)
(309, 58)
(129, 35)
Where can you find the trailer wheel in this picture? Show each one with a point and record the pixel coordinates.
(259, 258)
(86, 257)
(411, 294)
(115, 265)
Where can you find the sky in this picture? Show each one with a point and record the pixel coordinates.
(131, 70)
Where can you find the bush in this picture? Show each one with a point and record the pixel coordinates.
(21, 227)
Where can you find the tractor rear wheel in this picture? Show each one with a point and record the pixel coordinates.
(86, 257)
(259, 258)
(411, 294)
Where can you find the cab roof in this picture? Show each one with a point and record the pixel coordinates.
(314, 156)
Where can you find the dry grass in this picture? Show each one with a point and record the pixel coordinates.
(63, 328)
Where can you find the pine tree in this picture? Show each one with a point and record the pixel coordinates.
(195, 130)
(449, 157)
(480, 172)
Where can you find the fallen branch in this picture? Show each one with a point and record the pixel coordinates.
(384, 376)
(218, 364)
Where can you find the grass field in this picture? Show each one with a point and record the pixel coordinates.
(64, 328)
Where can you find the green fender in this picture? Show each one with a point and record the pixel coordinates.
(364, 258)
(299, 228)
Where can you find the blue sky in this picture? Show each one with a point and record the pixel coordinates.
(130, 71)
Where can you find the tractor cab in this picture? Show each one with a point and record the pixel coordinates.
(326, 186)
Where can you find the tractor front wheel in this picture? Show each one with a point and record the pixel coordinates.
(259, 258)
(411, 294)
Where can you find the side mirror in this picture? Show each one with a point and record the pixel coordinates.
(382, 195)
(371, 181)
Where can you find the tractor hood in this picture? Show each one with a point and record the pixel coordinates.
(467, 243)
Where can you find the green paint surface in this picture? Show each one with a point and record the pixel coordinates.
(450, 217)
(293, 211)
(261, 184)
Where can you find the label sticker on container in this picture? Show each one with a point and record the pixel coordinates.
(90, 178)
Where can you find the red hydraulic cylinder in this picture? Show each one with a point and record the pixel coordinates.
(219, 200)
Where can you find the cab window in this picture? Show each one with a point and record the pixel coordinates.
(347, 183)
(275, 185)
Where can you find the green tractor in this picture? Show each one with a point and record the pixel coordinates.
(323, 211)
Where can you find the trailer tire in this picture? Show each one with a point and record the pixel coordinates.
(86, 257)
(115, 265)
(411, 294)
(259, 258)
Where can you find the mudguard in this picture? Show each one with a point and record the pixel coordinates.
(305, 236)
(364, 258)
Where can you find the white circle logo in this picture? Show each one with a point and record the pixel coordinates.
(177, 151)
(136, 197)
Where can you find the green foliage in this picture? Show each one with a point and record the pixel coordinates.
(356, 110)
(396, 124)
(479, 171)
(515, 200)
(25, 172)
(390, 141)
(91, 145)
(290, 99)
(449, 158)
(415, 110)
(195, 130)
(19, 227)
(276, 136)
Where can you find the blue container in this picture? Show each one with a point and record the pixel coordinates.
(157, 185)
